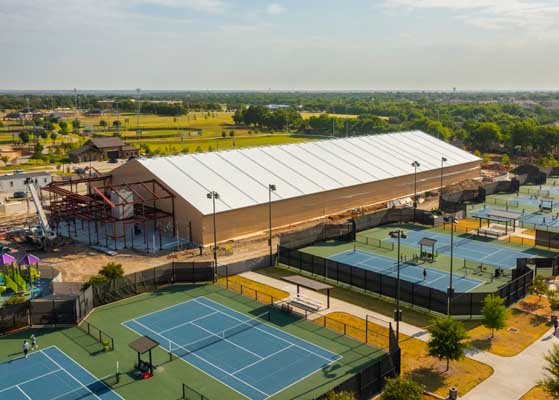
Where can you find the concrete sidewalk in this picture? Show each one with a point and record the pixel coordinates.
(512, 376)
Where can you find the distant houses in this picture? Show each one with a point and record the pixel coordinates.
(98, 149)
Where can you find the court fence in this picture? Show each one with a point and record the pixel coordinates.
(190, 394)
(101, 336)
(70, 310)
(416, 295)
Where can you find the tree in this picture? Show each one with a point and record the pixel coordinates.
(223, 134)
(231, 133)
(103, 123)
(63, 127)
(76, 124)
(5, 159)
(494, 313)
(485, 136)
(24, 137)
(402, 389)
(539, 286)
(551, 382)
(112, 271)
(53, 136)
(505, 160)
(38, 151)
(117, 124)
(447, 340)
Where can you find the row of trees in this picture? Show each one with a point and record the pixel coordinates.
(263, 117)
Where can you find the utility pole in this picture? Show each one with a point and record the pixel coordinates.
(271, 188)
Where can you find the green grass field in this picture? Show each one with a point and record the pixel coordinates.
(169, 375)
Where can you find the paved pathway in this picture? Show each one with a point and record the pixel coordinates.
(512, 377)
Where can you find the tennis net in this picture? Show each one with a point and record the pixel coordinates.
(373, 242)
(181, 350)
(457, 243)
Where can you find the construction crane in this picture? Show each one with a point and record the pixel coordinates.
(43, 234)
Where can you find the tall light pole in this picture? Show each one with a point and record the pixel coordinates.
(415, 165)
(443, 160)
(450, 291)
(271, 188)
(398, 312)
(214, 196)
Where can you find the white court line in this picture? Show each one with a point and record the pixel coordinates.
(78, 365)
(23, 392)
(271, 334)
(156, 311)
(192, 365)
(228, 341)
(31, 380)
(69, 374)
(262, 359)
(186, 323)
(206, 361)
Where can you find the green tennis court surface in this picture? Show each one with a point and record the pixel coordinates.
(171, 374)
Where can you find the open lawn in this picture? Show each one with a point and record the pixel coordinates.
(195, 146)
(537, 305)
(537, 393)
(521, 331)
(417, 365)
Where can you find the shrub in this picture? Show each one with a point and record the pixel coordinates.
(402, 389)
(95, 279)
(340, 395)
(112, 271)
(14, 300)
(2, 290)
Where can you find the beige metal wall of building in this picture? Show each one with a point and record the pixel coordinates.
(312, 179)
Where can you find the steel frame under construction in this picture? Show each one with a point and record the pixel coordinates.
(103, 203)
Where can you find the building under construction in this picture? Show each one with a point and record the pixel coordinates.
(138, 215)
(157, 203)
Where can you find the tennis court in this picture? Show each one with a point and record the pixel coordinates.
(435, 278)
(536, 218)
(49, 374)
(474, 250)
(244, 353)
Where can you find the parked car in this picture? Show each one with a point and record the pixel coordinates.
(113, 161)
(19, 195)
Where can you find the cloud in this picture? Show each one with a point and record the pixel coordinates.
(208, 6)
(275, 9)
(492, 14)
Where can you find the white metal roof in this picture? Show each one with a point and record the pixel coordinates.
(241, 177)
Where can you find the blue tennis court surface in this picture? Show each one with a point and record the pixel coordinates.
(252, 358)
(475, 250)
(435, 278)
(49, 374)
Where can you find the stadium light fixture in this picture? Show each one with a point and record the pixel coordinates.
(415, 165)
(271, 188)
(443, 160)
(213, 195)
(450, 219)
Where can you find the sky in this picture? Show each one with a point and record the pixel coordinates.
(279, 44)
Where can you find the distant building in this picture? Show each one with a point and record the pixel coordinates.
(274, 107)
(16, 182)
(99, 149)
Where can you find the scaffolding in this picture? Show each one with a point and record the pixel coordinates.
(116, 212)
